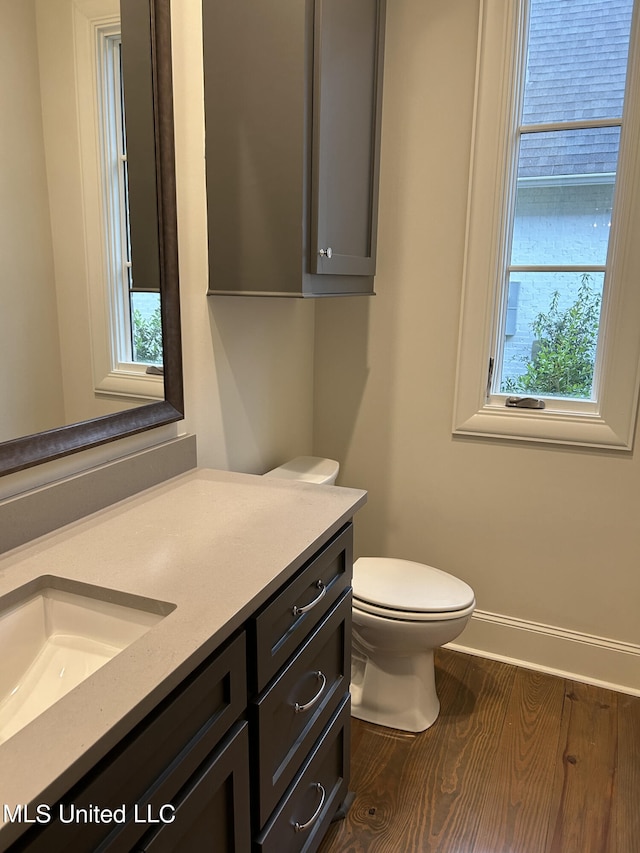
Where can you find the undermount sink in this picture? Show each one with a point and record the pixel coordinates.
(54, 634)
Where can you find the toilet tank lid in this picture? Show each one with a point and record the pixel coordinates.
(309, 469)
(412, 587)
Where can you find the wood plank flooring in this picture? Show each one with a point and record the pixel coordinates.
(517, 762)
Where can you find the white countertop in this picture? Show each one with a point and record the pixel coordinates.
(216, 545)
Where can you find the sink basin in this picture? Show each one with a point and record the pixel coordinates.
(54, 634)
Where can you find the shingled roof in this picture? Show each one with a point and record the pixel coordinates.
(576, 70)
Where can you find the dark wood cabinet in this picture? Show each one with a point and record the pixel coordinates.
(211, 813)
(293, 97)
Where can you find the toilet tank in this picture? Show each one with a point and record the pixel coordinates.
(309, 469)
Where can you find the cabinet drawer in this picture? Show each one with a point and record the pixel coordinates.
(290, 617)
(297, 706)
(300, 821)
(154, 761)
(212, 811)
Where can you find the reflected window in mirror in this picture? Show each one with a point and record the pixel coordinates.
(126, 327)
(133, 312)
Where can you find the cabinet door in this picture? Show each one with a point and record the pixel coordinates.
(153, 762)
(347, 101)
(212, 812)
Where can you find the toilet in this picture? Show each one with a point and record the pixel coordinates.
(402, 612)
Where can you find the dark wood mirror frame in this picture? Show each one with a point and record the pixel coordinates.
(24, 452)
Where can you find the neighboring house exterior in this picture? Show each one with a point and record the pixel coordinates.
(565, 178)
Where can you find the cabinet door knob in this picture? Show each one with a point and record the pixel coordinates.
(326, 253)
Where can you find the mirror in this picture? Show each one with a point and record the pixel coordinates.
(147, 82)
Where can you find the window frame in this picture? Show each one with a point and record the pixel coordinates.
(95, 25)
(608, 422)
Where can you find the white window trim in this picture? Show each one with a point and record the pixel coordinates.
(94, 21)
(611, 423)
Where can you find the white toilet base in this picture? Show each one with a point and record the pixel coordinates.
(393, 673)
(396, 692)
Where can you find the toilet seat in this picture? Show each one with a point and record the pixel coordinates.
(407, 591)
(412, 616)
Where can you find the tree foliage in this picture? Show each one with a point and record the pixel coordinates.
(565, 348)
(147, 337)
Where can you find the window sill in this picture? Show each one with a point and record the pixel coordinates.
(545, 426)
(132, 383)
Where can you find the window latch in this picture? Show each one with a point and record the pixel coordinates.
(489, 377)
(524, 403)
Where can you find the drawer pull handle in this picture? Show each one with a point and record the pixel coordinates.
(300, 827)
(297, 611)
(299, 709)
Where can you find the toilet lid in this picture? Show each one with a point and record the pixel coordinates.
(407, 586)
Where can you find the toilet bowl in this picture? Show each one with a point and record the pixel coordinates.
(402, 612)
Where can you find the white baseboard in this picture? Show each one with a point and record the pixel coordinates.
(569, 654)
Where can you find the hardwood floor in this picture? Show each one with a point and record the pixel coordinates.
(517, 762)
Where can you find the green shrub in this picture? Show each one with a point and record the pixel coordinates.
(565, 348)
(147, 337)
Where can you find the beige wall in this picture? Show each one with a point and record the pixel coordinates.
(31, 379)
(544, 535)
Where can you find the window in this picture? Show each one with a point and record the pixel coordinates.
(125, 320)
(550, 309)
(135, 313)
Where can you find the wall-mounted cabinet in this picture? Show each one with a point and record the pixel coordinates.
(293, 95)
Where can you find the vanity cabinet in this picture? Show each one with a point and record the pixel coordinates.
(293, 97)
(249, 752)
